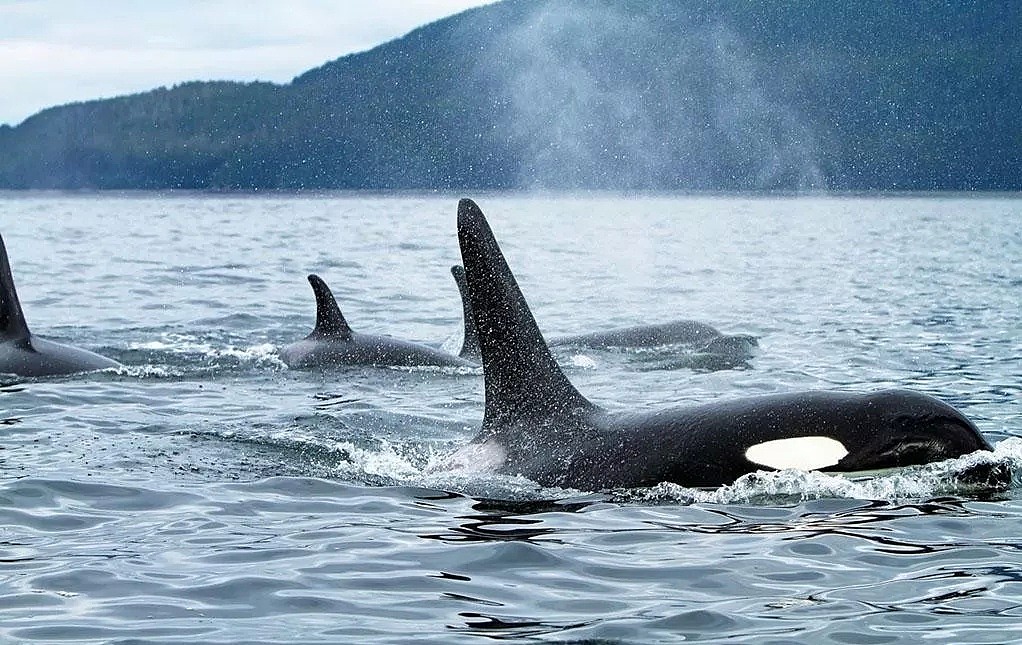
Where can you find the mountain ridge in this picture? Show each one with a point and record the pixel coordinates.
(573, 94)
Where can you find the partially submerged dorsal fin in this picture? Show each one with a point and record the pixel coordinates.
(330, 323)
(470, 343)
(12, 320)
(522, 378)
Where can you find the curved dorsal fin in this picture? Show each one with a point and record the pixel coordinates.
(470, 343)
(522, 378)
(330, 323)
(12, 320)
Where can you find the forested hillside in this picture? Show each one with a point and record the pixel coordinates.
(575, 94)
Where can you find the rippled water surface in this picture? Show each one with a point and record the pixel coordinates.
(207, 494)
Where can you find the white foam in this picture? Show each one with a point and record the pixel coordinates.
(484, 457)
(383, 461)
(184, 344)
(582, 361)
(916, 482)
(460, 370)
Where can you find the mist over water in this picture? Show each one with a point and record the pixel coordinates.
(581, 115)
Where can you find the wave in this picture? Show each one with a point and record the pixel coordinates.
(978, 473)
(375, 461)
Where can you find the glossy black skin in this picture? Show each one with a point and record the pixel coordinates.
(704, 445)
(553, 435)
(683, 332)
(332, 343)
(34, 356)
(24, 354)
(735, 349)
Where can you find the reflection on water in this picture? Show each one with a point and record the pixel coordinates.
(204, 493)
(507, 520)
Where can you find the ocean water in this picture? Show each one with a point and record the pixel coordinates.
(206, 494)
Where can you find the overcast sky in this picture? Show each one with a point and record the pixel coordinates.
(57, 51)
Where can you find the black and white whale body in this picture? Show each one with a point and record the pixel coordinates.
(710, 347)
(24, 354)
(333, 343)
(538, 425)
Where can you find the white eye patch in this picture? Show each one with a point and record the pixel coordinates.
(797, 453)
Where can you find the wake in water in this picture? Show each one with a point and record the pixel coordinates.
(176, 354)
(374, 461)
(977, 474)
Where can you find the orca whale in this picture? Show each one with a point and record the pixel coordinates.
(470, 338)
(333, 343)
(536, 424)
(25, 354)
(711, 349)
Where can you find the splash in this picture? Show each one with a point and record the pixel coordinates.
(212, 350)
(381, 462)
(962, 476)
(365, 464)
(582, 361)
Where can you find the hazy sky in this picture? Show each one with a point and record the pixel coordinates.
(57, 51)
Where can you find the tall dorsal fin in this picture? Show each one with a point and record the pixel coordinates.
(522, 378)
(12, 320)
(470, 343)
(330, 323)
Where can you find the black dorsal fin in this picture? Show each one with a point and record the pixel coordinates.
(330, 323)
(523, 381)
(12, 320)
(470, 343)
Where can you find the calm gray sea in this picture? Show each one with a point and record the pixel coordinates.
(207, 494)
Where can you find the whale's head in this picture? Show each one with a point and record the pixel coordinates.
(912, 428)
(862, 433)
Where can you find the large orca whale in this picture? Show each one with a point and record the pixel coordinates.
(536, 424)
(333, 343)
(709, 346)
(24, 354)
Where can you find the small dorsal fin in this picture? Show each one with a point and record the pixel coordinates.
(12, 320)
(523, 381)
(330, 323)
(470, 343)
